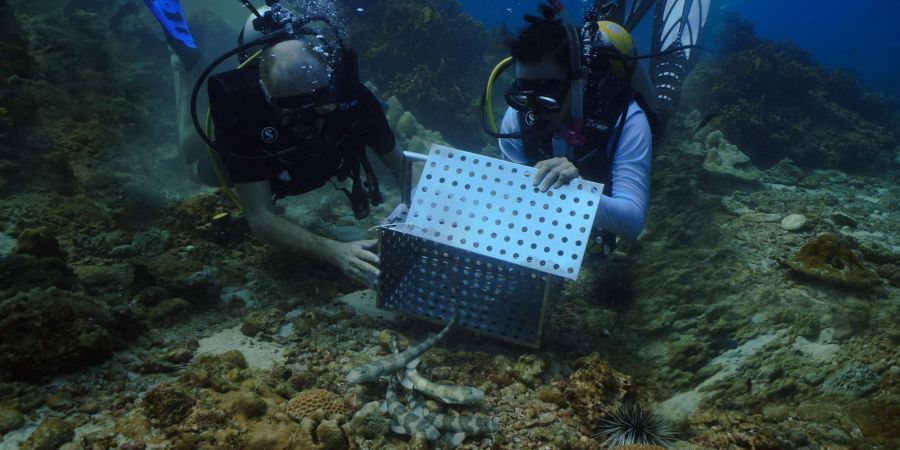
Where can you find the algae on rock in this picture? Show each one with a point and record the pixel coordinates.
(826, 259)
(725, 159)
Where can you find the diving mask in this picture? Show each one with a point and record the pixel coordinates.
(541, 96)
(308, 106)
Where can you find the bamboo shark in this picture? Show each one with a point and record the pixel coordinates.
(446, 393)
(388, 365)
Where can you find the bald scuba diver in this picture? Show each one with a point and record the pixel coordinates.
(290, 119)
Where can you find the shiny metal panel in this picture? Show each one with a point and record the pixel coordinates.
(488, 206)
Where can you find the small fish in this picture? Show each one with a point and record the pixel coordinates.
(446, 393)
(404, 421)
(359, 10)
(390, 364)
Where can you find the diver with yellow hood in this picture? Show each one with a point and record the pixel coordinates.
(579, 107)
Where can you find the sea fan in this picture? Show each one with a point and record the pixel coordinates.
(631, 423)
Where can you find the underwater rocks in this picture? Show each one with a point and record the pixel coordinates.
(39, 242)
(855, 379)
(826, 259)
(49, 331)
(411, 135)
(51, 434)
(793, 222)
(724, 159)
(430, 83)
(10, 419)
(595, 388)
(528, 369)
(20, 273)
(168, 404)
(262, 321)
(774, 101)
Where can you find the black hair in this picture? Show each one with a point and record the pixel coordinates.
(542, 37)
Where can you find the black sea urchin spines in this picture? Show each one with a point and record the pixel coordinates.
(632, 423)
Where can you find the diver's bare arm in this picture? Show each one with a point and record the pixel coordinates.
(256, 198)
(394, 162)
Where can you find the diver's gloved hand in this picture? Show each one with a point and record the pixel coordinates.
(554, 172)
(356, 260)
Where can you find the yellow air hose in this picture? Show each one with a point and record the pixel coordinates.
(500, 67)
(209, 150)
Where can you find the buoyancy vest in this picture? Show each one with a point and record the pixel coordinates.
(594, 160)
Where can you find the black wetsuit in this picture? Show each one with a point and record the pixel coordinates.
(246, 125)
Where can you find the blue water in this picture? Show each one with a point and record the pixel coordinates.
(857, 36)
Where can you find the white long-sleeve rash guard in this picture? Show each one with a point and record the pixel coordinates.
(624, 212)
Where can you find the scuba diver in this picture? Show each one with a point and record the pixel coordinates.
(291, 117)
(581, 106)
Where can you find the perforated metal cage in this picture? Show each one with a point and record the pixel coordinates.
(480, 239)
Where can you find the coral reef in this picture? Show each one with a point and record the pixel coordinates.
(168, 404)
(825, 259)
(316, 404)
(725, 159)
(595, 388)
(48, 331)
(774, 101)
(262, 321)
(699, 313)
(51, 434)
(400, 58)
(39, 242)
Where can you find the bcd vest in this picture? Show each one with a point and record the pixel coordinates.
(594, 160)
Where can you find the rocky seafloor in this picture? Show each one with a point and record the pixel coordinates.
(758, 310)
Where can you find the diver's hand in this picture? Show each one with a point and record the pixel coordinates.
(356, 260)
(554, 172)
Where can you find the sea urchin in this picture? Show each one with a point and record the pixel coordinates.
(631, 423)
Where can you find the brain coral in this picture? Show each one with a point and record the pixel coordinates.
(316, 404)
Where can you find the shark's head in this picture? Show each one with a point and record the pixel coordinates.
(472, 394)
(361, 374)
